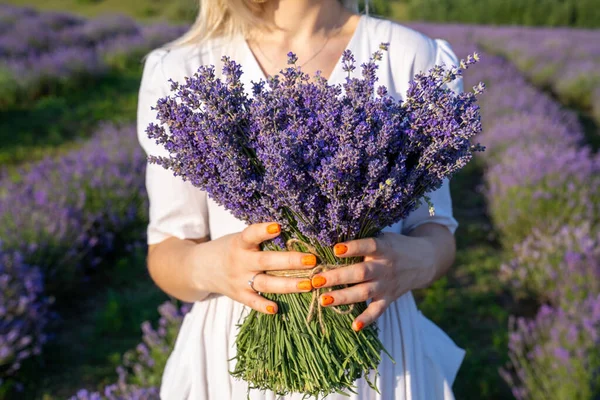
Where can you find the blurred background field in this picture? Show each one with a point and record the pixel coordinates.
(78, 312)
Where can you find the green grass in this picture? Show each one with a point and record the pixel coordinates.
(50, 125)
(470, 303)
(575, 13)
(148, 10)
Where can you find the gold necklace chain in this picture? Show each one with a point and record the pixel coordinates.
(311, 57)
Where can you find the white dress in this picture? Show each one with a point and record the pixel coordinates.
(427, 360)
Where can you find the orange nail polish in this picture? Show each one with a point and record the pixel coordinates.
(271, 309)
(309, 260)
(318, 281)
(358, 326)
(304, 285)
(326, 300)
(340, 249)
(273, 229)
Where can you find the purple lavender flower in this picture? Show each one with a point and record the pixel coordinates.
(329, 162)
(543, 187)
(65, 213)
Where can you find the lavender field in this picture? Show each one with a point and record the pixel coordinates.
(80, 318)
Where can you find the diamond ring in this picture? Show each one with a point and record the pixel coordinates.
(251, 282)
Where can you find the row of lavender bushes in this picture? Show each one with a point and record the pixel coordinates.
(565, 60)
(61, 218)
(543, 191)
(42, 51)
(543, 194)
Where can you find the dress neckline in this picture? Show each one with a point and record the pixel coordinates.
(254, 69)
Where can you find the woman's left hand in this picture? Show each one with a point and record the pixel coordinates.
(393, 265)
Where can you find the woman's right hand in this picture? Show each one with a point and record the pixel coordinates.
(236, 258)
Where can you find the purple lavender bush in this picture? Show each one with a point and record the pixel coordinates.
(556, 268)
(23, 313)
(509, 94)
(126, 50)
(515, 113)
(556, 356)
(108, 26)
(543, 188)
(550, 59)
(69, 212)
(577, 84)
(526, 130)
(64, 215)
(41, 52)
(329, 163)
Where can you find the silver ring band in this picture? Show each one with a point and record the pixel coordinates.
(251, 282)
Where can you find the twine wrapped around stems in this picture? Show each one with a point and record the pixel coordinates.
(315, 305)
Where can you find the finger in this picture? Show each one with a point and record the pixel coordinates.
(257, 302)
(375, 309)
(255, 234)
(360, 247)
(277, 260)
(277, 284)
(355, 273)
(350, 295)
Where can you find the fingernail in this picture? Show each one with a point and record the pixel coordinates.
(318, 281)
(304, 285)
(309, 260)
(326, 300)
(271, 309)
(340, 249)
(358, 326)
(273, 229)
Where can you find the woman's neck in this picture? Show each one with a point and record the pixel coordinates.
(317, 31)
(296, 20)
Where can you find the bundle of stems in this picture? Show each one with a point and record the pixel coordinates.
(286, 353)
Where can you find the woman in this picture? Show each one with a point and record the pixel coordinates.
(200, 253)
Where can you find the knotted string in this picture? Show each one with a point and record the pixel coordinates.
(315, 305)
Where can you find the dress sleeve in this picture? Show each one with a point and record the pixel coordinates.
(177, 209)
(440, 198)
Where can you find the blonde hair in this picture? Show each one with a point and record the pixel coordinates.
(219, 18)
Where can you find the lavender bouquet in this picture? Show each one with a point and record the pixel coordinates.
(330, 163)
